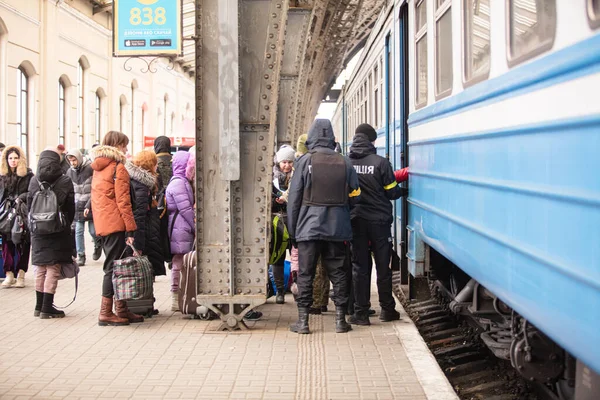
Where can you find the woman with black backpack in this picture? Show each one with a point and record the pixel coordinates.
(51, 246)
(14, 183)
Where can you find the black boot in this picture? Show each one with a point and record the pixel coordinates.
(97, 251)
(341, 326)
(360, 318)
(48, 310)
(39, 300)
(389, 315)
(280, 297)
(301, 326)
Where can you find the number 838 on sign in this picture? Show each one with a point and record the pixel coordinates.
(147, 15)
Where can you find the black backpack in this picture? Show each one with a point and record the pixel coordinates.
(45, 216)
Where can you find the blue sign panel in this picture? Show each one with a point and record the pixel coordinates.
(146, 27)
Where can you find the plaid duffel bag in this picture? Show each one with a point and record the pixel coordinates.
(132, 277)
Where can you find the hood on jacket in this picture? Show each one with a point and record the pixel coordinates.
(162, 144)
(321, 135)
(102, 156)
(80, 160)
(301, 145)
(180, 160)
(190, 171)
(21, 165)
(361, 146)
(141, 175)
(48, 168)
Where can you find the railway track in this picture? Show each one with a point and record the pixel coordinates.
(473, 371)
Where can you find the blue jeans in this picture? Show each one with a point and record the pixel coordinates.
(79, 239)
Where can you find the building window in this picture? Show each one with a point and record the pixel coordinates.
(421, 53)
(594, 13)
(476, 58)
(172, 123)
(80, 103)
(532, 27)
(97, 119)
(166, 99)
(61, 112)
(443, 48)
(23, 109)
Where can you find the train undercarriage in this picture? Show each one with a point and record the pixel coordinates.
(507, 334)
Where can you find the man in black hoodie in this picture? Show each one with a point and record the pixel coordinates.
(371, 223)
(322, 190)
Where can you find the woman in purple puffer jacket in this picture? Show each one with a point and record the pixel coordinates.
(182, 228)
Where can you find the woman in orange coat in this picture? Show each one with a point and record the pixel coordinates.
(113, 219)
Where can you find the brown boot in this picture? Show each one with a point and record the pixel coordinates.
(123, 312)
(107, 317)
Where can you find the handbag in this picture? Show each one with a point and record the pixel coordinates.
(69, 271)
(8, 213)
(132, 277)
(17, 233)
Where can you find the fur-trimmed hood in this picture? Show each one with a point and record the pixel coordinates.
(22, 169)
(103, 156)
(141, 175)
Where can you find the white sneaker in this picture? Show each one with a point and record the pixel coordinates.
(9, 281)
(20, 280)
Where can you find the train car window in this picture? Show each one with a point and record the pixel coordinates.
(476, 45)
(594, 13)
(532, 27)
(443, 48)
(421, 53)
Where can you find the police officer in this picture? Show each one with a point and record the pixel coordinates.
(371, 223)
(323, 189)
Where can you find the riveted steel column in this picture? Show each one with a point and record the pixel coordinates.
(234, 159)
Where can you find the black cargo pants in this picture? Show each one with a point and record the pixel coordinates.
(379, 236)
(332, 257)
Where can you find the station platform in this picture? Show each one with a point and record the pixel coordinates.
(171, 357)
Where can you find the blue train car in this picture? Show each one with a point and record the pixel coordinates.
(494, 105)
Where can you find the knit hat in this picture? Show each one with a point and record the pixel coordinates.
(368, 131)
(301, 145)
(285, 153)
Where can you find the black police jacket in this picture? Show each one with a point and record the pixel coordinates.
(377, 182)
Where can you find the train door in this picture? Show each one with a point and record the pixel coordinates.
(400, 158)
(388, 99)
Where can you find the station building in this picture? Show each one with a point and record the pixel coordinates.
(60, 84)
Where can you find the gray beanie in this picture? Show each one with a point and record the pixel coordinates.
(285, 153)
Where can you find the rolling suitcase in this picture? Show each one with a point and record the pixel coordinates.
(187, 285)
(133, 282)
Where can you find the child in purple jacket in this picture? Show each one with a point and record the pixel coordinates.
(182, 228)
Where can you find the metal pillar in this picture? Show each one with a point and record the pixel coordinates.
(236, 123)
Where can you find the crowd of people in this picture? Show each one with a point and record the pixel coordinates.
(331, 212)
(122, 201)
(338, 212)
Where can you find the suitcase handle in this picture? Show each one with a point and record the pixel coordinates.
(135, 252)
